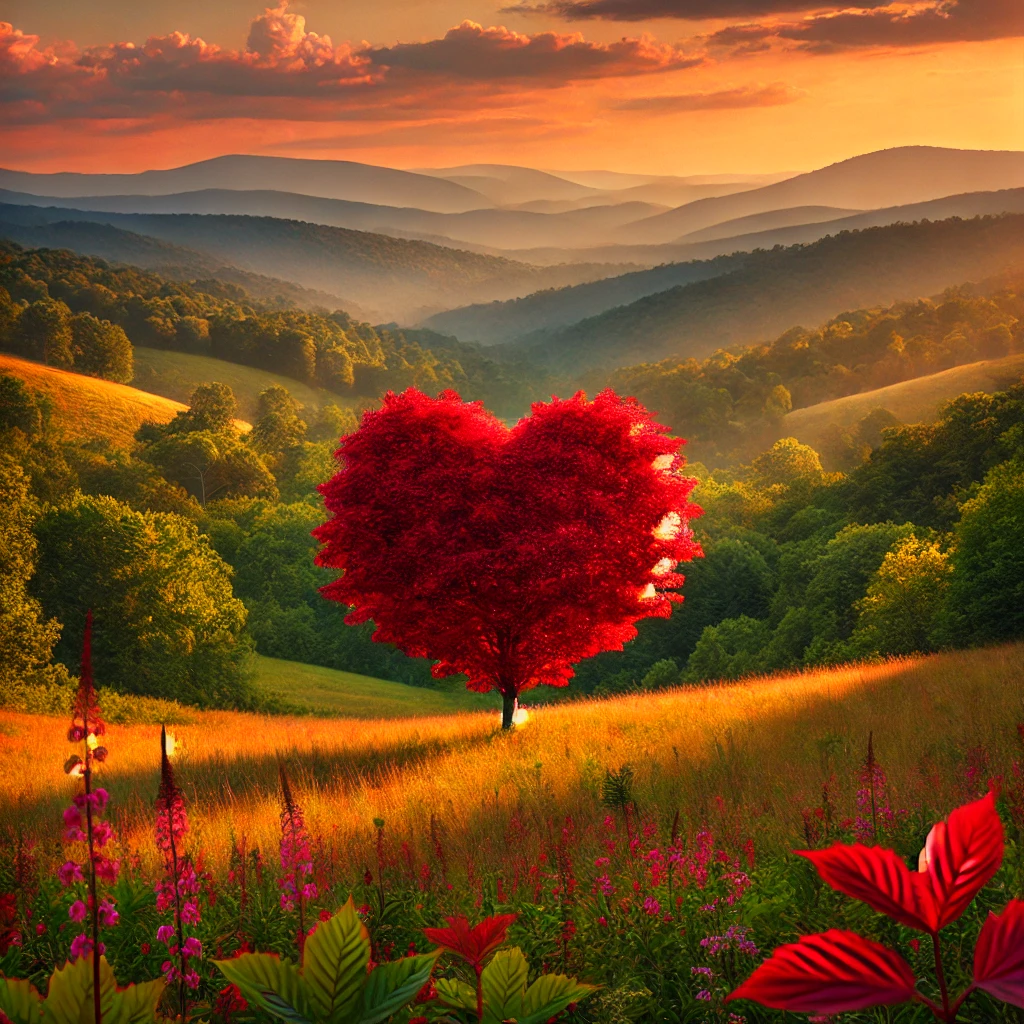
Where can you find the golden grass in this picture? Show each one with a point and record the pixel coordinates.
(746, 757)
(87, 407)
(911, 401)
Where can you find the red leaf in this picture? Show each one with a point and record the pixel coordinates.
(835, 972)
(880, 879)
(962, 854)
(472, 944)
(999, 955)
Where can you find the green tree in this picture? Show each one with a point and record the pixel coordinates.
(211, 464)
(166, 621)
(729, 650)
(44, 333)
(786, 462)
(26, 636)
(212, 406)
(101, 349)
(898, 613)
(986, 592)
(331, 423)
(278, 426)
(18, 406)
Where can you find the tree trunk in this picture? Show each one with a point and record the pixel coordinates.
(508, 710)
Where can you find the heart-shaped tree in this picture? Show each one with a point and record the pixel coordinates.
(507, 554)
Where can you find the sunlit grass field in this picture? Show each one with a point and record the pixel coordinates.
(744, 757)
(328, 691)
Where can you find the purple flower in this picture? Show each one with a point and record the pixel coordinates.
(72, 817)
(165, 934)
(704, 995)
(102, 833)
(192, 979)
(108, 915)
(81, 945)
(77, 911)
(190, 913)
(69, 872)
(192, 947)
(652, 906)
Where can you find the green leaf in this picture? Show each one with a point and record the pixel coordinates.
(551, 994)
(390, 986)
(504, 983)
(456, 994)
(20, 1001)
(69, 997)
(137, 1004)
(334, 965)
(270, 983)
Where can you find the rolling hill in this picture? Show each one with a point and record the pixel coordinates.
(400, 278)
(890, 177)
(911, 401)
(498, 322)
(772, 291)
(330, 692)
(332, 179)
(90, 407)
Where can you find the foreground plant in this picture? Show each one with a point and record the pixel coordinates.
(501, 992)
(72, 997)
(84, 823)
(840, 971)
(332, 985)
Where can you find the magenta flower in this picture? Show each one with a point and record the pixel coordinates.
(77, 911)
(108, 915)
(652, 906)
(81, 945)
(165, 934)
(193, 947)
(69, 872)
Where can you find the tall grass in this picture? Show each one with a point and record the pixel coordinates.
(743, 757)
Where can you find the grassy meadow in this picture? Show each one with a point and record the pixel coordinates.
(748, 756)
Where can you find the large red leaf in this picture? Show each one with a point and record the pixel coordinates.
(880, 879)
(834, 972)
(472, 944)
(962, 854)
(999, 955)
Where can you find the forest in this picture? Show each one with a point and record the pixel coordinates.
(897, 538)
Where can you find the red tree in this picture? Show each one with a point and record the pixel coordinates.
(507, 554)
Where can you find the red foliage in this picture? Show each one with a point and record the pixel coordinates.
(999, 955)
(839, 971)
(507, 554)
(472, 944)
(835, 972)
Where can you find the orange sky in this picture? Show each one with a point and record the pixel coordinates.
(412, 83)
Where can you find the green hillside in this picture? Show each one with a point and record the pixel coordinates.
(326, 691)
(174, 375)
(773, 290)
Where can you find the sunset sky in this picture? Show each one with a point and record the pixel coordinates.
(656, 86)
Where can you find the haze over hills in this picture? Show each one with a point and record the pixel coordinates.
(331, 179)
(400, 279)
(495, 229)
(498, 322)
(771, 292)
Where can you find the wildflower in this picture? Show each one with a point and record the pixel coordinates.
(165, 934)
(81, 945)
(108, 915)
(603, 921)
(325, 915)
(40, 928)
(652, 907)
(704, 995)
(296, 859)
(192, 947)
(77, 911)
(145, 948)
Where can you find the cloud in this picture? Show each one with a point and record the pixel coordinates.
(895, 25)
(773, 95)
(181, 75)
(691, 10)
(471, 51)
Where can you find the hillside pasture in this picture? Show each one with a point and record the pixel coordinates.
(174, 375)
(918, 400)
